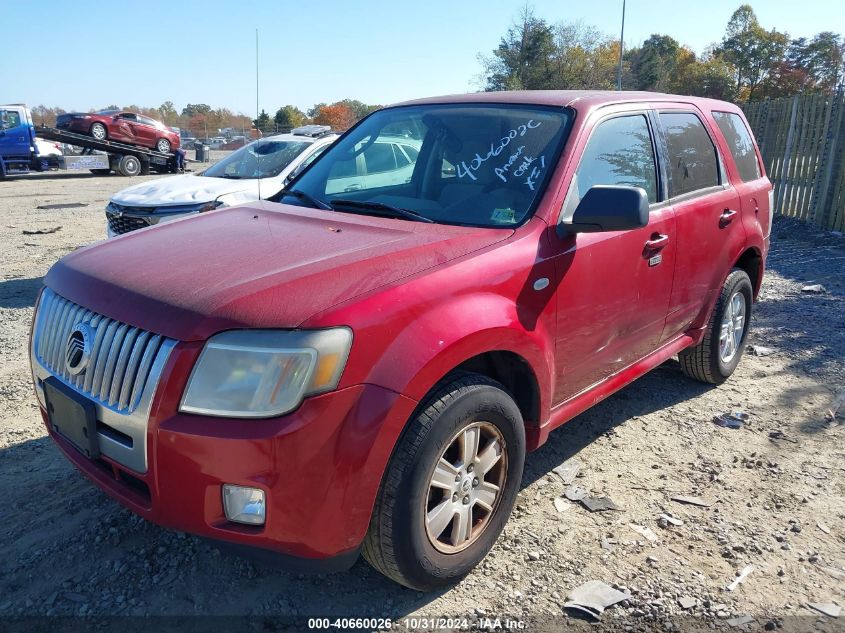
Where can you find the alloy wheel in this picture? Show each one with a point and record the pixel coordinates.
(465, 487)
(733, 327)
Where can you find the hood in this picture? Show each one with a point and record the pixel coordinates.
(189, 189)
(261, 266)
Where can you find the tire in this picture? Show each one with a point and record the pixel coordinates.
(709, 361)
(129, 165)
(99, 131)
(401, 543)
(101, 172)
(163, 146)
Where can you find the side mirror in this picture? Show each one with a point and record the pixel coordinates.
(606, 208)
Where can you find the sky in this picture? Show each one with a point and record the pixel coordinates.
(92, 54)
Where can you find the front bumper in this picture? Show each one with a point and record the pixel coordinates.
(320, 468)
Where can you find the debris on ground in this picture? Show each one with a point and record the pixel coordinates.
(608, 544)
(823, 527)
(568, 470)
(780, 435)
(594, 597)
(741, 620)
(575, 493)
(599, 504)
(759, 350)
(52, 229)
(645, 532)
(740, 578)
(560, 504)
(815, 289)
(65, 205)
(838, 401)
(827, 608)
(667, 519)
(693, 501)
(733, 420)
(687, 602)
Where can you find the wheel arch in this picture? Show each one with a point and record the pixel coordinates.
(751, 261)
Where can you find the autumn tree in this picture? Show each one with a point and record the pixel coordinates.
(338, 116)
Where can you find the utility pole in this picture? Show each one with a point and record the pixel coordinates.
(621, 48)
(256, 75)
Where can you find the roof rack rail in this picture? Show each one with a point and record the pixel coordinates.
(311, 130)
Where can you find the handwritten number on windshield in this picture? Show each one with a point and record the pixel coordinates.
(469, 170)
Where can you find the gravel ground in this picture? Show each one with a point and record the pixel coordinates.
(776, 487)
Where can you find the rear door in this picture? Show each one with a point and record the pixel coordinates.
(748, 175)
(707, 214)
(613, 291)
(15, 138)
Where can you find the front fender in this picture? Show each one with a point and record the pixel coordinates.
(465, 327)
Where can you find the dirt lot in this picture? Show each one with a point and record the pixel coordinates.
(777, 485)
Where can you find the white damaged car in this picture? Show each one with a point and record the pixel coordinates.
(254, 172)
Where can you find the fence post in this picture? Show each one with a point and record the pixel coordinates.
(787, 151)
(824, 168)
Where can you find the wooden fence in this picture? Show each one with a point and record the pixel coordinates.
(802, 140)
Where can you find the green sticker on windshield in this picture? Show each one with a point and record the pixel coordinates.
(503, 216)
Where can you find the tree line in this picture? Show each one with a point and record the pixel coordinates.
(748, 63)
(203, 121)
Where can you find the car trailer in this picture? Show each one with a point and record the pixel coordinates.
(125, 159)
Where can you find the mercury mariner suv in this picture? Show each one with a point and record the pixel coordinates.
(360, 364)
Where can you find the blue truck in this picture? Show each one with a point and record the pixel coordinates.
(19, 149)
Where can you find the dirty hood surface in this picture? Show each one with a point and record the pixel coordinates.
(263, 265)
(186, 189)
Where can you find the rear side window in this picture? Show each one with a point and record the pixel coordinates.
(692, 158)
(619, 152)
(740, 144)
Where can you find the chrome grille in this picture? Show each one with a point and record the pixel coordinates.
(122, 357)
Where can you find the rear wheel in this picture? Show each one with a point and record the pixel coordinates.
(450, 486)
(715, 358)
(163, 146)
(99, 132)
(129, 165)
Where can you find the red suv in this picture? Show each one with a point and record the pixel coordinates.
(362, 368)
(125, 127)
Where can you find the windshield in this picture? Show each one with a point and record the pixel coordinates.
(261, 159)
(479, 165)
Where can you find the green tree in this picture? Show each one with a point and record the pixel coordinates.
(263, 122)
(653, 65)
(195, 108)
(167, 112)
(752, 50)
(288, 117)
(523, 58)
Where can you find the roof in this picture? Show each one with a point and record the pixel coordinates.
(296, 137)
(588, 99)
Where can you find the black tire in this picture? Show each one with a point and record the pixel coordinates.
(101, 172)
(397, 543)
(102, 132)
(129, 165)
(703, 361)
(163, 146)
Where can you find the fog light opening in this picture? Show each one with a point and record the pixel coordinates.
(243, 504)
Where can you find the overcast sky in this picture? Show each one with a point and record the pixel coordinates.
(80, 55)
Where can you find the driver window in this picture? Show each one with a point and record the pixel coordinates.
(9, 119)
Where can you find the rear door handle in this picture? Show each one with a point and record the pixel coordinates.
(726, 217)
(656, 243)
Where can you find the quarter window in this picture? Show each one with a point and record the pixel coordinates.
(693, 162)
(740, 144)
(619, 152)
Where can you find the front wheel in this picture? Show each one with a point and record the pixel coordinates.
(99, 132)
(163, 146)
(450, 486)
(715, 358)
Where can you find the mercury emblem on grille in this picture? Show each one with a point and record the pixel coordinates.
(78, 350)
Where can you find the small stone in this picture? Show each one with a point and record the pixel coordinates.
(687, 602)
(560, 504)
(534, 555)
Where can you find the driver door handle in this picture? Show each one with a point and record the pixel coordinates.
(656, 243)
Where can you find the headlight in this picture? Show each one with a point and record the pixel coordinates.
(211, 206)
(265, 373)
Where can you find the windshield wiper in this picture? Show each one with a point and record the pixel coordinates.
(306, 197)
(388, 209)
(230, 176)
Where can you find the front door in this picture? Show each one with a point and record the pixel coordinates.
(614, 288)
(14, 132)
